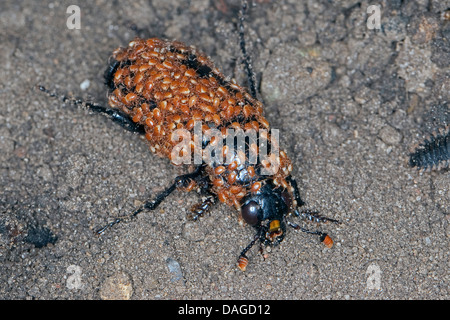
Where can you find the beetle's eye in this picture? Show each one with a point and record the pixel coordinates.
(250, 211)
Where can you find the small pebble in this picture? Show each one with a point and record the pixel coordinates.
(85, 84)
(390, 135)
(117, 287)
(175, 269)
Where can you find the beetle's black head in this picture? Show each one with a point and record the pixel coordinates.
(266, 210)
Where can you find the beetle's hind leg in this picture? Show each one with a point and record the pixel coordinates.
(182, 181)
(113, 65)
(117, 116)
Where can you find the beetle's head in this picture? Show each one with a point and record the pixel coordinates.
(266, 211)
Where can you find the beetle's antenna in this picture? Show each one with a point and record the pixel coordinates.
(243, 260)
(324, 238)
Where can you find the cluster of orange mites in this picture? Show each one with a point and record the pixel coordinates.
(230, 182)
(167, 85)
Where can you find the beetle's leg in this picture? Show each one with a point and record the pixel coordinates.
(199, 209)
(208, 199)
(113, 65)
(179, 182)
(150, 205)
(293, 183)
(115, 115)
(118, 117)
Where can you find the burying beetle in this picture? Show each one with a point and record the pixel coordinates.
(158, 87)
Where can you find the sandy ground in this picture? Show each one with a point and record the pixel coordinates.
(350, 103)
